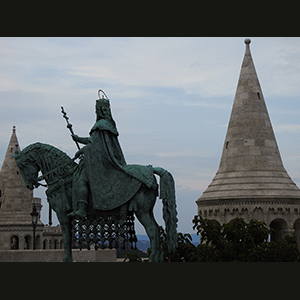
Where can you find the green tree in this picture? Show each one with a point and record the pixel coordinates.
(184, 251)
(233, 241)
(285, 250)
(131, 257)
(241, 241)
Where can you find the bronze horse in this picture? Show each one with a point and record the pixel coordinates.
(58, 169)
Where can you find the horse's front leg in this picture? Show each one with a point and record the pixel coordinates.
(66, 228)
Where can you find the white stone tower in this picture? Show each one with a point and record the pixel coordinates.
(16, 202)
(252, 182)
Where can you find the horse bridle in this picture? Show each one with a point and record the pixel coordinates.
(51, 171)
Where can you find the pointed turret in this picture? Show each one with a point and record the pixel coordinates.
(251, 181)
(15, 199)
(250, 166)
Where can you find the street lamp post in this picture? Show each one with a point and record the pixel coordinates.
(34, 218)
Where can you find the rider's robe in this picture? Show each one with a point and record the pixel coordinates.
(112, 182)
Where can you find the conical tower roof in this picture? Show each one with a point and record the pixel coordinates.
(250, 166)
(16, 199)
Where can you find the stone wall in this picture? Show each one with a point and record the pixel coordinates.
(283, 215)
(105, 255)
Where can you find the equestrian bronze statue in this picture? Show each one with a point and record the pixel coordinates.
(102, 183)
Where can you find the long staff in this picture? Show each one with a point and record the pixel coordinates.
(69, 125)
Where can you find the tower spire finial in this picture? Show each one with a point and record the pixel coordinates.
(247, 41)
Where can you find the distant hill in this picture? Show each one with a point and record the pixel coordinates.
(142, 237)
(143, 245)
(143, 242)
(195, 239)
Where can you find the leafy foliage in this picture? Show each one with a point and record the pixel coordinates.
(184, 251)
(131, 257)
(234, 241)
(241, 241)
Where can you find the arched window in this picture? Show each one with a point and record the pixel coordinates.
(297, 231)
(27, 242)
(215, 222)
(258, 214)
(279, 225)
(38, 242)
(14, 242)
(45, 244)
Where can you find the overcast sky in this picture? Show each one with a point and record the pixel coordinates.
(170, 97)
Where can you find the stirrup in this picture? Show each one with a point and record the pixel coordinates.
(71, 214)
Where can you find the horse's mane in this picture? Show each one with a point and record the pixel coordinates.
(53, 151)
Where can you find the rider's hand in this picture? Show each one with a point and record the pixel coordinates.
(74, 137)
(78, 153)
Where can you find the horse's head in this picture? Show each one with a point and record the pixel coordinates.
(28, 168)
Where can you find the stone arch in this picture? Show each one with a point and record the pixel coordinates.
(231, 214)
(235, 212)
(14, 242)
(38, 242)
(215, 222)
(245, 214)
(296, 227)
(27, 242)
(55, 244)
(231, 221)
(280, 226)
(45, 244)
(258, 214)
(226, 214)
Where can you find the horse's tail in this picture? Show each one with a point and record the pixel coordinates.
(167, 194)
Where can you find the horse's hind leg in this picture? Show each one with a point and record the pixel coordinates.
(145, 216)
(152, 229)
